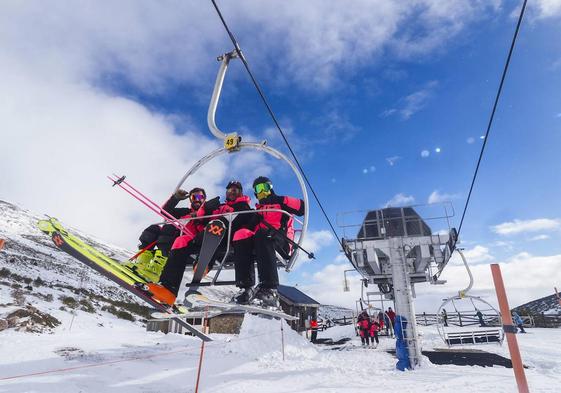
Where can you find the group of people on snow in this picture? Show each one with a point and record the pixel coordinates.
(256, 239)
(368, 329)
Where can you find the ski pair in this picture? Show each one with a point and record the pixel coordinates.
(200, 300)
(111, 269)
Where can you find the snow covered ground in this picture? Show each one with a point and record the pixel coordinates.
(118, 358)
(93, 350)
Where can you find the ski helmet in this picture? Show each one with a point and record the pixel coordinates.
(234, 183)
(262, 187)
(262, 179)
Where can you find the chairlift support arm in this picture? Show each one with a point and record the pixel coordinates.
(232, 143)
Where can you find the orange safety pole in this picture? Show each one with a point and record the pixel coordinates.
(2, 241)
(510, 330)
(202, 353)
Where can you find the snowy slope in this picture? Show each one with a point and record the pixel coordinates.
(327, 311)
(548, 305)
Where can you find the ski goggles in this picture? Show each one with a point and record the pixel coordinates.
(197, 197)
(263, 188)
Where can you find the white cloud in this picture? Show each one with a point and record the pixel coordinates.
(543, 9)
(416, 101)
(68, 137)
(470, 140)
(372, 168)
(393, 160)
(400, 200)
(313, 242)
(539, 237)
(412, 103)
(438, 150)
(425, 153)
(526, 278)
(437, 197)
(326, 285)
(477, 254)
(520, 226)
(365, 171)
(154, 44)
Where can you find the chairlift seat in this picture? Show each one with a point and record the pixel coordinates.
(474, 337)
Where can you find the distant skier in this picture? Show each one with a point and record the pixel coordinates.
(373, 331)
(314, 327)
(364, 326)
(381, 320)
(387, 324)
(518, 321)
(190, 243)
(479, 316)
(391, 316)
(445, 317)
(267, 236)
(152, 261)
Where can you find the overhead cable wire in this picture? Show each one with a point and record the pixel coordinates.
(497, 97)
(274, 118)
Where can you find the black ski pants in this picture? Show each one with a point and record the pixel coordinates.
(375, 337)
(177, 262)
(365, 339)
(314, 335)
(163, 236)
(263, 245)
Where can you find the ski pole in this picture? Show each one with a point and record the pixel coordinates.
(143, 250)
(140, 196)
(157, 211)
(146, 198)
(289, 240)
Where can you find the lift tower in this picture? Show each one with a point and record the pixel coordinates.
(396, 249)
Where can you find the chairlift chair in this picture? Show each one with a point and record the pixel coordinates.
(462, 325)
(232, 145)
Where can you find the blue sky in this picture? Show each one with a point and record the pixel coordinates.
(361, 93)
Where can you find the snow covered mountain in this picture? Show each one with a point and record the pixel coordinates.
(40, 285)
(327, 311)
(548, 305)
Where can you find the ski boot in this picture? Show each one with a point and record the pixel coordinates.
(268, 298)
(161, 294)
(244, 296)
(156, 266)
(141, 261)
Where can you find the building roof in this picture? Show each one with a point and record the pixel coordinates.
(295, 296)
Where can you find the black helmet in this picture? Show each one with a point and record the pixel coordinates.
(262, 179)
(234, 183)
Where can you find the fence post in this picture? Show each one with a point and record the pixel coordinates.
(510, 330)
(460, 319)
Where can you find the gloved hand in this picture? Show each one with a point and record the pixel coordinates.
(181, 194)
(211, 205)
